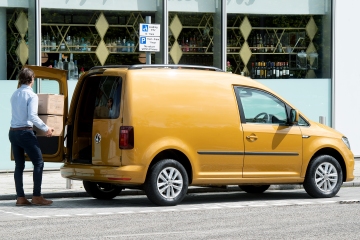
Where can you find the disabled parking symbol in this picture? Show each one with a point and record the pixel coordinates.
(145, 28)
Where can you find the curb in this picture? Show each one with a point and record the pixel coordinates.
(130, 192)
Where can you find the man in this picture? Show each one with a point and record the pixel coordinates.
(24, 114)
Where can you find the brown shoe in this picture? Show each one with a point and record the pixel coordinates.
(40, 201)
(22, 201)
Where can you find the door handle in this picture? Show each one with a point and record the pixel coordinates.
(252, 137)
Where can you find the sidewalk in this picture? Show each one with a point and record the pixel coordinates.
(54, 186)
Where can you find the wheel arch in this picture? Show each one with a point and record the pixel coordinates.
(333, 153)
(176, 155)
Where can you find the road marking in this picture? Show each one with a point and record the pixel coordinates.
(147, 211)
(189, 209)
(169, 210)
(126, 212)
(105, 213)
(83, 214)
(37, 216)
(63, 215)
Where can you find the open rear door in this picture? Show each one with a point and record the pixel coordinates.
(53, 81)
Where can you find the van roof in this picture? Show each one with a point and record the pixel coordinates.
(172, 66)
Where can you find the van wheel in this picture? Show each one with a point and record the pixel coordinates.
(167, 183)
(255, 189)
(324, 177)
(104, 191)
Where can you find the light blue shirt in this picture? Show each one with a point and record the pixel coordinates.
(24, 109)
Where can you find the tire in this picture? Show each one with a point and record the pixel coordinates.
(324, 177)
(167, 183)
(254, 189)
(104, 191)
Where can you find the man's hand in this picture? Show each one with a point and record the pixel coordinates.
(49, 132)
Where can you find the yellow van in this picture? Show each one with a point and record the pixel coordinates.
(162, 128)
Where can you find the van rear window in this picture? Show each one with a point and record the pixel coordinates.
(108, 95)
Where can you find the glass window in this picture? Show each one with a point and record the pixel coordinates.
(107, 103)
(261, 107)
(302, 122)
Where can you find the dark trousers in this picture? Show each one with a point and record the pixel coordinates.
(25, 141)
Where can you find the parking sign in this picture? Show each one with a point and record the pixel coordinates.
(149, 39)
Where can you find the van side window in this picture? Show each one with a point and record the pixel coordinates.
(261, 107)
(108, 95)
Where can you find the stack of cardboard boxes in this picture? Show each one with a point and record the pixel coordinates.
(51, 111)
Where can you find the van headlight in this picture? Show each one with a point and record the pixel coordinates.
(346, 141)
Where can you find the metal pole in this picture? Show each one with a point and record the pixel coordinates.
(148, 54)
(322, 120)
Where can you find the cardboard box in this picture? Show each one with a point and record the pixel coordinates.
(54, 121)
(51, 104)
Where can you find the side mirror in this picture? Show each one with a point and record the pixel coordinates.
(294, 117)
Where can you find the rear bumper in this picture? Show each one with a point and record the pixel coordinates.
(132, 174)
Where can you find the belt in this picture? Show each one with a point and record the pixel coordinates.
(21, 128)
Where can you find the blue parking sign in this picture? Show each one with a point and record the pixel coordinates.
(143, 40)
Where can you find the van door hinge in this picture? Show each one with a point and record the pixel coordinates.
(305, 136)
(121, 120)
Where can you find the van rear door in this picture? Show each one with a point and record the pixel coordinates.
(53, 81)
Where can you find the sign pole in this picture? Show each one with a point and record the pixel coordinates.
(148, 54)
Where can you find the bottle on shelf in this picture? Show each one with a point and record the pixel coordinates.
(280, 70)
(287, 71)
(55, 64)
(76, 71)
(47, 42)
(69, 43)
(277, 71)
(60, 64)
(257, 70)
(268, 70)
(83, 46)
(65, 63)
(119, 45)
(53, 44)
(252, 70)
(124, 49)
(273, 76)
(71, 68)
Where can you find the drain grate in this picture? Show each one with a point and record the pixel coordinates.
(349, 201)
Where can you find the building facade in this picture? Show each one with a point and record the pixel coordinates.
(296, 47)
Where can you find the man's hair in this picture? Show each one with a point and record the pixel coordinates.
(25, 76)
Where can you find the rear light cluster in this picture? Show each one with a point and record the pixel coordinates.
(126, 138)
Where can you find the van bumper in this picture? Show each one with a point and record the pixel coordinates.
(132, 174)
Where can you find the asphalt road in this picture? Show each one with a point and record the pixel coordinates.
(273, 215)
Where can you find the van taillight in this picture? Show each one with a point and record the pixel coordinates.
(126, 139)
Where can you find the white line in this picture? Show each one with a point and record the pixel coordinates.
(327, 201)
(214, 207)
(257, 205)
(37, 216)
(169, 210)
(18, 214)
(63, 215)
(83, 214)
(126, 212)
(105, 213)
(237, 206)
(8, 212)
(147, 211)
(189, 209)
(303, 203)
(147, 234)
(280, 204)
